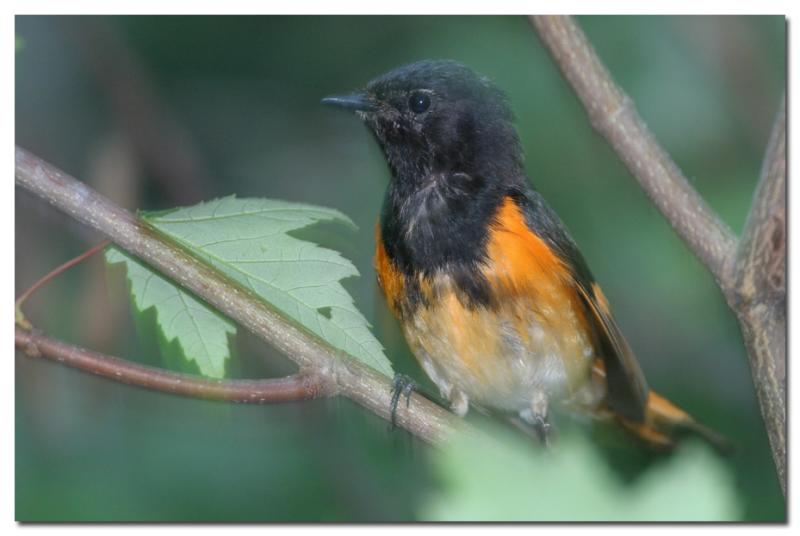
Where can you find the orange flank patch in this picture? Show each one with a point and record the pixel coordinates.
(520, 260)
(524, 269)
(390, 279)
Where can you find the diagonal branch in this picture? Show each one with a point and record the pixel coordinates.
(761, 291)
(750, 273)
(291, 388)
(614, 116)
(353, 379)
(761, 257)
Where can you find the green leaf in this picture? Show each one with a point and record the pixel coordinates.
(502, 477)
(248, 240)
(201, 332)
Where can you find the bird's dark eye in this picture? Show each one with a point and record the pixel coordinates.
(419, 102)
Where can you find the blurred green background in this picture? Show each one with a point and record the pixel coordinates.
(162, 111)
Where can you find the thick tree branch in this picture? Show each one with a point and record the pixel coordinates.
(614, 116)
(760, 299)
(291, 388)
(752, 273)
(353, 379)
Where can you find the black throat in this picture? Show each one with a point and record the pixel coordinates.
(439, 225)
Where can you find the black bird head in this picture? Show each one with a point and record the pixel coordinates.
(438, 117)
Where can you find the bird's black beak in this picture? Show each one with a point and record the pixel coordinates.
(358, 102)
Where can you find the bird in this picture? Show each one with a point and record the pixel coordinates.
(494, 298)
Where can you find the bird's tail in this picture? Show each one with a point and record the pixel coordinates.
(665, 423)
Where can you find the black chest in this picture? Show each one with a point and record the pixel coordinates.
(440, 227)
(440, 223)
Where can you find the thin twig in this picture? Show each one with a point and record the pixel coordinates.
(353, 379)
(58, 271)
(288, 389)
(614, 116)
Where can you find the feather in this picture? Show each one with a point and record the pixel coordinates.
(627, 389)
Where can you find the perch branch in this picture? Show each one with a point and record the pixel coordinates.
(351, 378)
(613, 114)
(291, 388)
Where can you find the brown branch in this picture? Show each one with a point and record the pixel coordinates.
(752, 274)
(288, 389)
(352, 378)
(58, 271)
(760, 294)
(614, 116)
(761, 257)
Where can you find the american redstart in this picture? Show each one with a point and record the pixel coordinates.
(493, 296)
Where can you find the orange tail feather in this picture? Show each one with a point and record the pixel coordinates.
(664, 422)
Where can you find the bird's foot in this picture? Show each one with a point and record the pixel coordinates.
(401, 385)
(545, 432)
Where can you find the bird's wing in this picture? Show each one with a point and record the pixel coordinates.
(626, 386)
